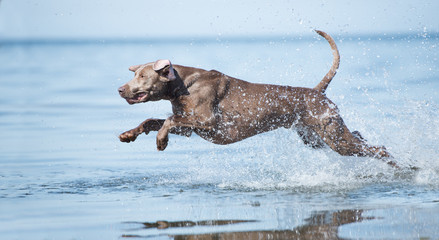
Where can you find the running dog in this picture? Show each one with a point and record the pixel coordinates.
(224, 110)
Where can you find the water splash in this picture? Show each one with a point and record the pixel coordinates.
(279, 159)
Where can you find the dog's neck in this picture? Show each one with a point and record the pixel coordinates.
(177, 88)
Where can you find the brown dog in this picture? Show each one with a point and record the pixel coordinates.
(223, 109)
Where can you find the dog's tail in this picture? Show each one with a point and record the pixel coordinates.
(321, 87)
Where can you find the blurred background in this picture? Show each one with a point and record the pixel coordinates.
(100, 19)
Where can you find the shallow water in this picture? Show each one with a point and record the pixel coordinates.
(65, 175)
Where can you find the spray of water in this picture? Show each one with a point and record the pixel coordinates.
(280, 160)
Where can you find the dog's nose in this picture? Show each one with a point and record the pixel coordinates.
(121, 90)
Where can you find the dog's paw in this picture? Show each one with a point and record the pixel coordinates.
(162, 143)
(128, 136)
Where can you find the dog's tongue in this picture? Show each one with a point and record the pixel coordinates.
(140, 96)
(137, 98)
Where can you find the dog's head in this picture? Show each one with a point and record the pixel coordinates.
(150, 82)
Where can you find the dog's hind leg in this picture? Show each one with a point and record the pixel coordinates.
(337, 136)
(310, 137)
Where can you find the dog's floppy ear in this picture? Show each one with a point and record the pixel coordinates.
(164, 68)
(135, 67)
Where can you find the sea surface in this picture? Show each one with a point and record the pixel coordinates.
(65, 175)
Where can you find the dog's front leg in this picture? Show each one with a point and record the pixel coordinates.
(145, 127)
(175, 124)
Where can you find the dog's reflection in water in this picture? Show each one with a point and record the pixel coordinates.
(321, 225)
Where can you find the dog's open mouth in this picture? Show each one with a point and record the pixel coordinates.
(138, 98)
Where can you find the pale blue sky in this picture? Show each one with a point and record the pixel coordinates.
(24, 19)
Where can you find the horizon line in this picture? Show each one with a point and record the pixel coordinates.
(213, 39)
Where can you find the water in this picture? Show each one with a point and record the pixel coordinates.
(65, 175)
